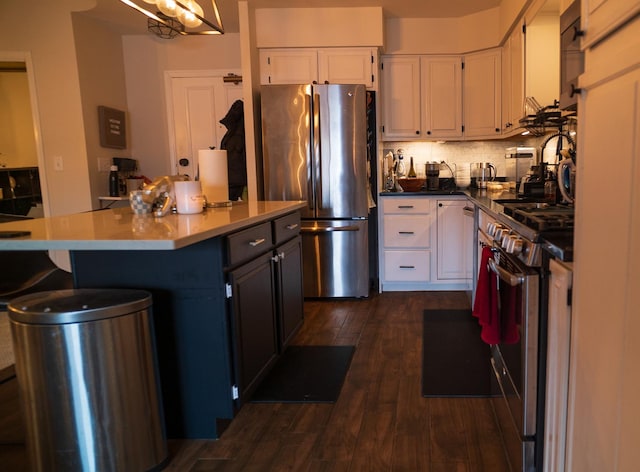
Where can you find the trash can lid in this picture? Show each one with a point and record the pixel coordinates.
(77, 305)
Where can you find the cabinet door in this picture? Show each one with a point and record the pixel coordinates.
(401, 97)
(455, 240)
(346, 66)
(482, 94)
(288, 66)
(290, 290)
(603, 407)
(513, 81)
(600, 17)
(254, 322)
(441, 84)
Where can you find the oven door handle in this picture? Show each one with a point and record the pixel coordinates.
(508, 277)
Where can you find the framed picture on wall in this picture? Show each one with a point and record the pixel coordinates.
(113, 131)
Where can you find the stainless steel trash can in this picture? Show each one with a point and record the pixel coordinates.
(88, 382)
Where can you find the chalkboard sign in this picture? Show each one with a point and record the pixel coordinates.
(113, 132)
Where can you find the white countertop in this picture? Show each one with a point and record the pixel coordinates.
(120, 229)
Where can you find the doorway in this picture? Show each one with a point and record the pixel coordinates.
(22, 175)
(196, 102)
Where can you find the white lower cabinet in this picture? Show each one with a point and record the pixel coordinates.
(410, 254)
(455, 239)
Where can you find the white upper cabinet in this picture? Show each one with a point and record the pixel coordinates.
(601, 17)
(441, 82)
(513, 81)
(327, 65)
(422, 97)
(288, 66)
(482, 94)
(347, 66)
(401, 97)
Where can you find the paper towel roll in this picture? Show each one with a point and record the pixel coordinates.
(212, 166)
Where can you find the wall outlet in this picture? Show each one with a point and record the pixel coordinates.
(104, 164)
(58, 165)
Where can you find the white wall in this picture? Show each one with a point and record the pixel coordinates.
(318, 27)
(101, 73)
(442, 35)
(43, 29)
(146, 59)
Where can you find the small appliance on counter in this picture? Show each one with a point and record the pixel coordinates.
(518, 161)
(432, 170)
(482, 172)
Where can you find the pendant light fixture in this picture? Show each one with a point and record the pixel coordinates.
(169, 18)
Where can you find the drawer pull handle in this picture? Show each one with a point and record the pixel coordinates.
(406, 232)
(405, 206)
(293, 226)
(256, 242)
(407, 267)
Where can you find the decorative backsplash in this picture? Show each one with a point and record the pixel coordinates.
(461, 152)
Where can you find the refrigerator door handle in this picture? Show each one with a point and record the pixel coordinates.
(317, 151)
(329, 229)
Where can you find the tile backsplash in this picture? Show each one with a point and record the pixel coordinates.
(457, 153)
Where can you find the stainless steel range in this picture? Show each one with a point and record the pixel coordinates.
(518, 236)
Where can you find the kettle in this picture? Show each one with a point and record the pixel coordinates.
(567, 176)
(483, 173)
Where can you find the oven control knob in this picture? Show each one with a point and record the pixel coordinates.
(515, 245)
(501, 234)
(504, 240)
(493, 227)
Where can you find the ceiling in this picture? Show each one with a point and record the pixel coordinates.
(128, 21)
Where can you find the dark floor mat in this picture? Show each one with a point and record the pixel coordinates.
(455, 361)
(306, 374)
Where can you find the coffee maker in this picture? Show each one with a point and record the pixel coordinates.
(432, 170)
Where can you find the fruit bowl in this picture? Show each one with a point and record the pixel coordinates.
(412, 184)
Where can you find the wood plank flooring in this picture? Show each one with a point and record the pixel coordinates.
(380, 422)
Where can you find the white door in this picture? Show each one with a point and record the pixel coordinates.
(196, 106)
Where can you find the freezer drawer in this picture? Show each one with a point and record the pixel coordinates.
(335, 258)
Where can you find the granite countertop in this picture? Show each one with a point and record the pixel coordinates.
(120, 229)
(422, 193)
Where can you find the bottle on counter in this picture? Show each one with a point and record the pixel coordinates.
(412, 170)
(400, 169)
(114, 184)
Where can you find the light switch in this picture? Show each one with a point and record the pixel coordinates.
(57, 163)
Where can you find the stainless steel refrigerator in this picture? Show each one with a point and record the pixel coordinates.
(314, 141)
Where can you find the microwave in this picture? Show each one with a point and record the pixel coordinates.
(571, 57)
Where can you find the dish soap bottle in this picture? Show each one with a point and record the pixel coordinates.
(114, 185)
(412, 171)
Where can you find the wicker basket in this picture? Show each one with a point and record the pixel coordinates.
(412, 185)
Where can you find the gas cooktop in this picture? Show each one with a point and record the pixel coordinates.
(550, 225)
(541, 217)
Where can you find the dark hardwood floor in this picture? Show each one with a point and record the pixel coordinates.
(380, 422)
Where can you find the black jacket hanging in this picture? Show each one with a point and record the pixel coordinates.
(233, 143)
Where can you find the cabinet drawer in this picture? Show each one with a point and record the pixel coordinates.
(407, 231)
(407, 266)
(286, 227)
(406, 205)
(249, 243)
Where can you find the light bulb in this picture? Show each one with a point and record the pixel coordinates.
(187, 17)
(168, 7)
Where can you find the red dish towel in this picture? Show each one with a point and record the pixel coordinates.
(481, 305)
(486, 306)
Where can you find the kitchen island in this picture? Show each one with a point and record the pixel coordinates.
(224, 303)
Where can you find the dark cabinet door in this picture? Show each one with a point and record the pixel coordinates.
(254, 322)
(290, 290)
